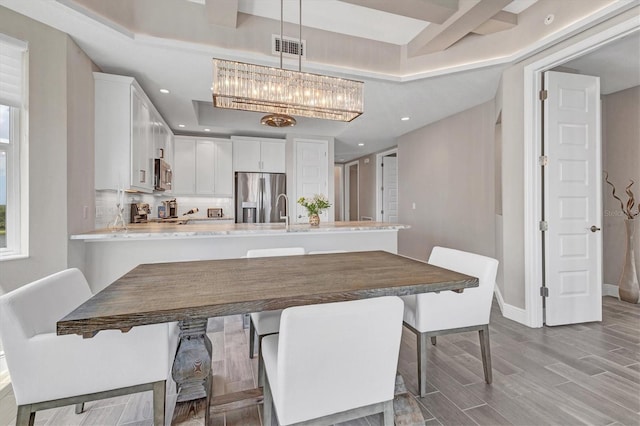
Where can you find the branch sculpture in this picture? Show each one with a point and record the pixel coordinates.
(628, 209)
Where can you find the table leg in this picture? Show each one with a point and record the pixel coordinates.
(192, 365)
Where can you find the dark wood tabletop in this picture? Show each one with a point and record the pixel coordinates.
(165, 292)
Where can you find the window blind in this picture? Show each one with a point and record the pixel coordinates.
(11, 71)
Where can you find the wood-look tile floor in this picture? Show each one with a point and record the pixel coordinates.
(569, 375)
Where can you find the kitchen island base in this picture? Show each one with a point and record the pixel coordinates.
(105, 256)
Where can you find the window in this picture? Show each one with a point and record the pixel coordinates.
(12, 108)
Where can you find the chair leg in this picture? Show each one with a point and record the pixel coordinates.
(267, 402)
(159, 398)
(389, 415)
(433, 340)
(486, 353)
(260, 363)
(25, 416)
(79, 408)
(422, 364)
(252, 338)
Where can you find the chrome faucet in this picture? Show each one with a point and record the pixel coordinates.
(286, 207)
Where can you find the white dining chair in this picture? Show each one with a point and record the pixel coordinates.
(50, 371)
(266, 322)
(333, 362)
(435, 314)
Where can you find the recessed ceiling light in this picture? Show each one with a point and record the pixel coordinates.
(405, 118)
(207, 130)
(165, 91)
(360, 144)
(180, 125)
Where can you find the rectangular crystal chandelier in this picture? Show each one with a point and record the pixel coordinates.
(249, 87)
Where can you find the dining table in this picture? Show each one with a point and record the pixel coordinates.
(194, 291)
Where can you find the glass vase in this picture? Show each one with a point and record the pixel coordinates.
(314, 220)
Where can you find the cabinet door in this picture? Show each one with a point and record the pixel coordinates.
(273, 156)
(141, 135)
(223, 169)
(246, 155)
(184, 172)
(205, 163)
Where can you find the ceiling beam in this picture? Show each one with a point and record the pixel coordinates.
(222, 12)
(471, 15)
(436, 11)
(499, 22)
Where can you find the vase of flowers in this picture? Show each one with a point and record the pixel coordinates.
(315, 206)
(628, 288)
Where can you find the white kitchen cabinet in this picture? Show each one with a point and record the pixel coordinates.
(223, 169)
(128, 131)
(202, 167)
(259, 154)
(184, 161)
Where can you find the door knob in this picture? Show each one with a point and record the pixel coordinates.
(594, 228)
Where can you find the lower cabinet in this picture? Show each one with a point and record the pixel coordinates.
(202, 166)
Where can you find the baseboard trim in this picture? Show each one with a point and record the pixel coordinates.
(511, 312)
(610, 290)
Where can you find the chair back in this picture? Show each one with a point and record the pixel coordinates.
(273, 252)
(36, 307)
(337, 356)
(448, 309)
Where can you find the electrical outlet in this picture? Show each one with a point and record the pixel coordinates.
(413, 206)
(85, 212)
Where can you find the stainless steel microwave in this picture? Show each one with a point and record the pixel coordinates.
(162, 175)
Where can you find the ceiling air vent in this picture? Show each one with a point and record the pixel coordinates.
(290, 46)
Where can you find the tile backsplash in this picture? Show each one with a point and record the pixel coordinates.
(106, 205)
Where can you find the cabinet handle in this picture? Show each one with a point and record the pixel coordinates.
(143, 176)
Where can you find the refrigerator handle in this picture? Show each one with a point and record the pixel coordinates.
(261, 184)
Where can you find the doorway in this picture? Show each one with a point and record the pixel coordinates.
(533, 141)
(352, 191)
(387, 186)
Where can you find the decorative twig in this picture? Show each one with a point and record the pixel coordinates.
(628, 210)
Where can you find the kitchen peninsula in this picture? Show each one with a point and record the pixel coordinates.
(105, 256)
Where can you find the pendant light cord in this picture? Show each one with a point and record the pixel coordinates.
(299, 33)
(300, 39)
(281, 26)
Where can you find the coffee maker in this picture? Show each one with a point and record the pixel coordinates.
(140, 212)
(171, 208)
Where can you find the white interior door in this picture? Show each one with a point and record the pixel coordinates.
(312, 170)
(572, 187)
(390, 189)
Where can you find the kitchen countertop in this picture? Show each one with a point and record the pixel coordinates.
(166, 230)
(187, 219)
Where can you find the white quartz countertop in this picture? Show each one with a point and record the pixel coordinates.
(144, 231)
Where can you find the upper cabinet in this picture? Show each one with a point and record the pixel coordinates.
(203, 167)
(259, 154)
(129, 135)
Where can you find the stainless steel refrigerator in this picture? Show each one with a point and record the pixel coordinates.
(257, 197)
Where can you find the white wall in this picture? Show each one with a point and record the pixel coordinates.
(447, 170)
(621, 159)
(47, 152)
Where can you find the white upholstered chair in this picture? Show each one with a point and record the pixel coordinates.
(333, 362)
(49, 371)
(435, 314)
(266, 322)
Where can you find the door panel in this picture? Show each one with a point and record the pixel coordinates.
(572, 186)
